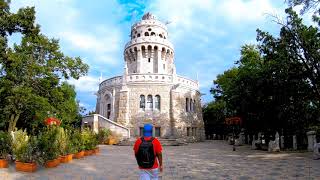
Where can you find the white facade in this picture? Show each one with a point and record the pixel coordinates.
(150, 90)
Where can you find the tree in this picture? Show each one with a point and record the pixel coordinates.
(32, 72)
(307, 4)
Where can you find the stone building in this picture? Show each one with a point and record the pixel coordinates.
(150, 91)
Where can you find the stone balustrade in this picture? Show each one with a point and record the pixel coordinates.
(151, 39)
(150, 78)
(187, 82)
(96, 122)
(114, 81)
(148, 22)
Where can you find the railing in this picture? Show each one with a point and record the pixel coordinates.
(150, 78)
(187, 82)
(153, 39)
(114, 81)
(96, 122)
(148, 22)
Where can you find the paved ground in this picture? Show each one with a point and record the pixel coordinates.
(207, 160)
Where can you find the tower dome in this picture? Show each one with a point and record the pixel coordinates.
(149, 49)
(148, 15)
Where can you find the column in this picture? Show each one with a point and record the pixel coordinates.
(159, 62)
(113, 102)
(139, 60)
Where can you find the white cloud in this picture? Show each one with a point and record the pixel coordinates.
(245, 11)
(102, 46)
(87, 84)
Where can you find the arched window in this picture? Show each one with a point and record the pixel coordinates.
(157, 102)
(194, 105)
(153, 34)
(187, 104)
(138, 35)
(146, 34)
(190, 107)
(149, 102)
(142, 102)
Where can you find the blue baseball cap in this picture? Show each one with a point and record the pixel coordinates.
(147, 130)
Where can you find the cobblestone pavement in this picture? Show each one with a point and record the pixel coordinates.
(206, 160)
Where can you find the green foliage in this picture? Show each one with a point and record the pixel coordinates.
(48, 143)
(276, 85)
(103, 135)
(63, 141)
(32, 74)
(89, 139)
(24, 147)
(5, 144)
(77, 141)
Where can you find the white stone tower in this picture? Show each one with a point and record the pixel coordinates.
(150, 90)
(149, 50)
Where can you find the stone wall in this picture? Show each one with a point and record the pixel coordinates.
(96, 122)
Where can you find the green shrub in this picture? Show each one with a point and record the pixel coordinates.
(70, 147)
(77, 141)
(89, 139)
(103, 135)
(24, 147)
(5, 144)
(62, 140)
(48, 143)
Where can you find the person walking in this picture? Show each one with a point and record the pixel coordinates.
(148, 153)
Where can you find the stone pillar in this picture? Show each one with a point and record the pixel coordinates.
(282, 142)
(95, 123)
(139, 60)
(123, 117)
(113, 104)
(294, 142)
(311, 139)
(159, 62)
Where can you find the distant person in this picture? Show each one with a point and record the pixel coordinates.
(147, 150)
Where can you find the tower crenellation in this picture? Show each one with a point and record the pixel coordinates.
(149, 50)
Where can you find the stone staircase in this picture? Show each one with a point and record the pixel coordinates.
(163, 141)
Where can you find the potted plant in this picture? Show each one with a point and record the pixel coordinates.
(88, 137)
(96, 149)
(24, 149)
(103, 135)
(5, 148)
(65, 146)
(77, 142)
(48, 145)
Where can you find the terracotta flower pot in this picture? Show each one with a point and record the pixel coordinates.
(66, 158)
(96, 150)
(79, 155)
(26, 167)
(112, 141)
(3, 163)
(88, 152)
(69, 157)
(52, 163)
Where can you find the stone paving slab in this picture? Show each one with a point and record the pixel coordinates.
(205, 161)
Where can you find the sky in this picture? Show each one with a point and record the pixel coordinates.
(207, 34)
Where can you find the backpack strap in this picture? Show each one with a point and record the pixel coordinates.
(143, 140)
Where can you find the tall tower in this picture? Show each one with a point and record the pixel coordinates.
(149, 50)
